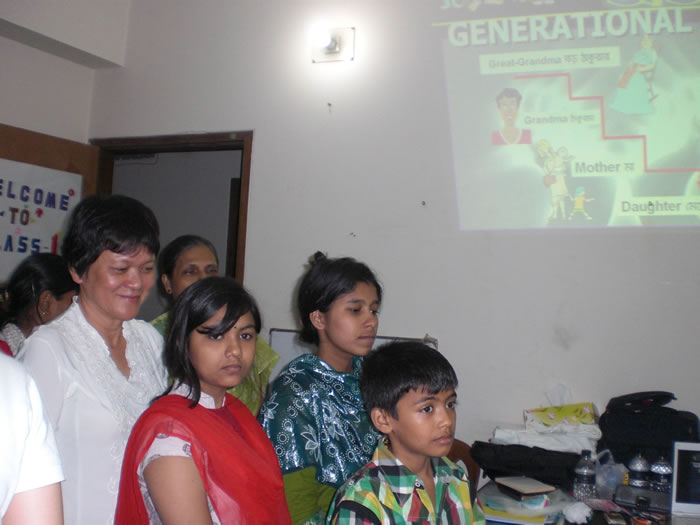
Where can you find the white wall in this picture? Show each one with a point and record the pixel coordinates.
(48, 52)
(44, 93)
(93, 32)
(605, 312)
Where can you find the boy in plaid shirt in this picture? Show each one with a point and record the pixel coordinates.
(409, 391)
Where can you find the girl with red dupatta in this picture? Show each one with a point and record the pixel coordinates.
(198, 455)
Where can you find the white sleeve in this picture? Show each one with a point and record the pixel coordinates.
(41, 465)
(30, 458)
(165, 446)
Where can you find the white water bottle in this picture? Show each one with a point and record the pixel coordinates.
(661, 475)
(584, 477)
(639, 472)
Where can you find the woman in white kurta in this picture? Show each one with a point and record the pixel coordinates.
(98, 369)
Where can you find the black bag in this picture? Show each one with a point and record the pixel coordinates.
(547, 466)
(640, 423)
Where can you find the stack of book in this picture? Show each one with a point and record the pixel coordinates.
(525, 502)
(508, 518)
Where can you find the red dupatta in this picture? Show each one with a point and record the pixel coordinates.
(234, 456)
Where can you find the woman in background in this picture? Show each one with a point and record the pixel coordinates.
(198, 455)
(186, 260)
(39, 290)
(97, 368)
(314, 413)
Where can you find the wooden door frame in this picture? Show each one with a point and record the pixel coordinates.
(31, 147)
(48, 151)
(238, 141)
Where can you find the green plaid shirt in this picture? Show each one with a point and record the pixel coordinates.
(386, 492)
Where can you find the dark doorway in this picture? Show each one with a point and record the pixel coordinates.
(234, 141)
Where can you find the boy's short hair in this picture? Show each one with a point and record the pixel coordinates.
(396, 368)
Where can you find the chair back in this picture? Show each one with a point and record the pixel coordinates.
(460, 450)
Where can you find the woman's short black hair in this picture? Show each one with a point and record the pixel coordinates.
(196, 305)
(108, 222)
(325, 281)
(35, 274)
(169, 255)
(396, 368)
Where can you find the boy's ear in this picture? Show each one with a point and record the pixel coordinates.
(381, 420)
(317, 319)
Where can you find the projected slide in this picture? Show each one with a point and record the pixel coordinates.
(573, 113)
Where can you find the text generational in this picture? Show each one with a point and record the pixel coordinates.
(588, 24)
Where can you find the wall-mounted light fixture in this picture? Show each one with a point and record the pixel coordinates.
(333, 45)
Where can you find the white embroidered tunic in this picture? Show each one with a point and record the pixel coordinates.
(92, 405)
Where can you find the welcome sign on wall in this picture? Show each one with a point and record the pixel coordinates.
(35, 203)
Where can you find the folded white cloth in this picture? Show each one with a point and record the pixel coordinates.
(562, 438)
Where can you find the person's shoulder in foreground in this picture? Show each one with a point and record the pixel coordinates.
(30, 473)
(409, 391)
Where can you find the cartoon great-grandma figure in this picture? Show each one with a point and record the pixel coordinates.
(633, 95)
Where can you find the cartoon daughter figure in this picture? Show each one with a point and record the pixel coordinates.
(580, 201)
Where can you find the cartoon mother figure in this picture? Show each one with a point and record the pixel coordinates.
(555, 166)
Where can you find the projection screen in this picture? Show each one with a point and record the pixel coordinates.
(573, 113)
